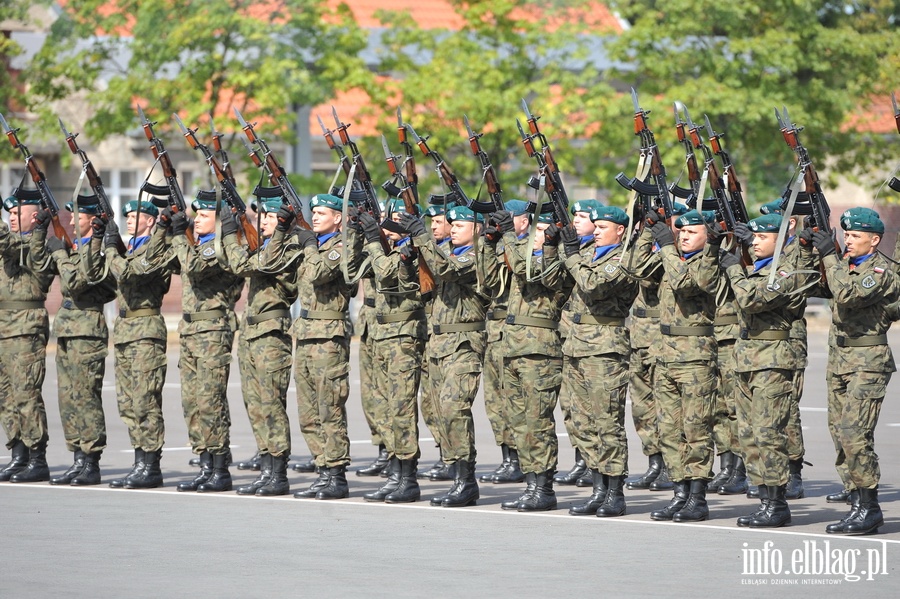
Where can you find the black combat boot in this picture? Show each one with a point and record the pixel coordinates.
(869, 517)
(465, 487)
(17, 463)
(278, 483)
(379, 465)
(662, 482)
(66, 477)
(336, 488)
(530, 485)
(444, 473)
(317, 486)
(794, 488)
(194, 461)
(265, 474)
(220, 479)
(585, 480)
(543, 498)
(763, 490)
(614, 505)
(777, 512)
(435, 468)
(726, 465)
(254, 463)
(678, 501)
(737, 484)
(393, 481)
(90, 474)
(206, 461)
(119, 483)
(150, 477)
(513, 473)
(654, 468)
(306, 467)
(504, 465)
(838, 527)
(578, 470)
(842, 496)
(589, 507)
(696, 509)
(36, 469)
(408, 491)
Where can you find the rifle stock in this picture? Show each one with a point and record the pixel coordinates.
(548, 169)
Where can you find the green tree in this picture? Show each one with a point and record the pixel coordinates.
(196, 58)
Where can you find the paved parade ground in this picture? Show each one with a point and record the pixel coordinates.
(101, 542)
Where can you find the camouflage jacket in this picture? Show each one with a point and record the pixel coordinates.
(495, 280)
(84, 291)
(139, 286)
(21, 281)
(644, 325)
(272, 287)
(602, 290)
(565, 320)
(860, 302)
(397, 286)
(457, 300)
(727, 321)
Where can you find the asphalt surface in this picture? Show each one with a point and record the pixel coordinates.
(101, 542)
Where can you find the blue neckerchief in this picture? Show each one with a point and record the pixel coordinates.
(602, 250)
(82, 241)
(266, 241)
(692, 254)
(137, 242)
(586, 238)
(402, 242)
(325, 237)
(538, 252)
(461, 250)
(522, 236)
(444, 241)
(762, 263)
(789, 240)
(23, 234)
(655, 247)
(861, 259)
(205, 237)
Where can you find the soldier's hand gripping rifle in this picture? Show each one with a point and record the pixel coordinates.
(443, 169)
(489, 175)
(172, 189)
(548, 171)
(48, 202)
(106, 209)
(894, 183)
(690, 161)
(277, 174)
(229, 191)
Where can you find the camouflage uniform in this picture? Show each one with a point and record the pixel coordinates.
(364, 323)
(727, 325)
(24, 329)
(796, 449)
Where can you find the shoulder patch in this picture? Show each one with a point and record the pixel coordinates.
(334, 255)
(462, 258)
(144, 262)
(868, 282)
(776, 286)
(209, 252)
(610, 268)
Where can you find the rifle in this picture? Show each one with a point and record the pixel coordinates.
(409, 163)
(548, 170)
(426, 278)
(277, 174)
(229, 191)
(328, 134)
(488, 174)
(362, 177)
(689, 195)
(443, 169)
(894, 183)
(217, 147)
(172, 189)
(106, 209)
(48, 202)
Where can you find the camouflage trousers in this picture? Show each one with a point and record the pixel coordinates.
(204, 364)
(725, 428)
(854, 404)
(565, 406)
(140, 375)
(796, 448)
(454, 382)
(685, 400)
(643, 405)
(530, 390)
(763, 401)
(397, 366)
(495, 405)
(80, 366)
(427, 403)
(598, 387)
(366, 387)
(322, 376)
(265, 366)
(22, 368)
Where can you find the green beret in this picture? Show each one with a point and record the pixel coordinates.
(585, 206)
(86, 205)
(678, 209)
(199, 204)
(546, 218)
(435, 211)
(326, 200)
(396, 205)
(768, 223)
(862, 219)
(268, 205)
(693, 217)
(464, 214)
(613, 214)
(517, 207)
(12, 201)
(146, 208)
(773, 207)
